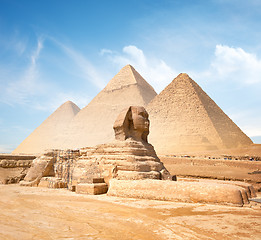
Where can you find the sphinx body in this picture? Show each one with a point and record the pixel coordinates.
(129, 156)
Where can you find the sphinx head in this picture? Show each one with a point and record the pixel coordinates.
(132, 122)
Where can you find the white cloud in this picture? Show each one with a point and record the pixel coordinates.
(25, 84)
(252, 131)
(104, 51)
(248, 120)
(234, 77)
(154, 70)
(21, 87)
(234, 64)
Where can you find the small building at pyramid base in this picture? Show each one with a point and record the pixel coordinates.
(128, 167)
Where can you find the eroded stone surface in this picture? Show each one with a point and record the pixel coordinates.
(132, 122)
(130, 156)
(13, 168)
(42, 166)
(179, 191)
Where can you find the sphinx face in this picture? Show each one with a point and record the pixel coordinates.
(132, 122)
(140, 119)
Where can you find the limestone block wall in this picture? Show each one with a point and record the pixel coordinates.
(13, 168)
(180, 191)
(223, 169)
(13, 161)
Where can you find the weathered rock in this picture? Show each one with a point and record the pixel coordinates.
(179, 191)
(85, 170)
(129, 159)
(132, 122)
(16, 161)
(92, 189)
(42, 166)
(52, 182)
(130, 156)
(249, 190)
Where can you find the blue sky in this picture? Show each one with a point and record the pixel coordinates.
(54, 51)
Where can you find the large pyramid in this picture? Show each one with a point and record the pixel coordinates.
(93, 124)
(184, 118)
(50, 133)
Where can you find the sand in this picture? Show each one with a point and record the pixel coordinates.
(40, 213)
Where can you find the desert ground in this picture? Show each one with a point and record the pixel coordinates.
(42, 213)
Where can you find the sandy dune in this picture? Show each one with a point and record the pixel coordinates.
(39, 213)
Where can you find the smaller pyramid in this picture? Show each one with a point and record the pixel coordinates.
(49, 134)
(184, 119)
(93, 124)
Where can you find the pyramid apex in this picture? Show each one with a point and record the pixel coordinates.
(69, 104)
(125, 77)
(128, 67)
(183, 75)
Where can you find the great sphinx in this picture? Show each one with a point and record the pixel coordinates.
(129, 167)
(129, 156)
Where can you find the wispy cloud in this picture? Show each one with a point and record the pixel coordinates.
(234, 76)
(86, 69)
(234, 64)
(248, 120)
(156, 71)
(26, 84)
(14, 43)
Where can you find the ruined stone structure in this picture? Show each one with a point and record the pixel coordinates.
(129, 156)
(53, 169)
(182, 191)
(13, 168)
(41, 167)
(50, 134)
(184, 119)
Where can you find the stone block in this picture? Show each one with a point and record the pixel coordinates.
(52, 182)
(194, 192)
(91, 188)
